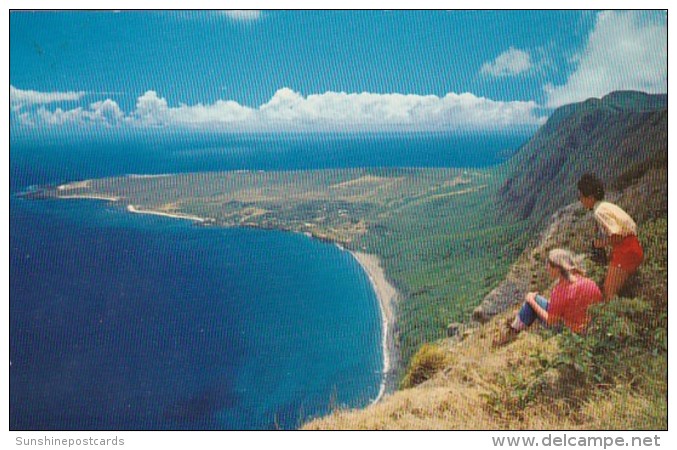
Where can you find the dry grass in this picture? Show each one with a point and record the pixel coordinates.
(623, 409)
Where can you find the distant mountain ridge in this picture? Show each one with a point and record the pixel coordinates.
(618, 101)
(609, 137)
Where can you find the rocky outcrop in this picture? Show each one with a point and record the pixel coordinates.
(527, 273)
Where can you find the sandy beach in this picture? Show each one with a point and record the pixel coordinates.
(387, 296)
(75, 185)
(91, 197)
(85, 184)
(133, 209)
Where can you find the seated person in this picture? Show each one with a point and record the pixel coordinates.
(568, 304)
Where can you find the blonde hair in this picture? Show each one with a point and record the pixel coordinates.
(568, 263)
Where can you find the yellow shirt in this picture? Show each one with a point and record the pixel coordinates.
(613, 220)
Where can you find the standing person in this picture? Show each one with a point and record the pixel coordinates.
(571, 297)
(620, 233)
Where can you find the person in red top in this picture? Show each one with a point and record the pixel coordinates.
(568, 304)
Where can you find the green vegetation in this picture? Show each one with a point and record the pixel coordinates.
(429, 360)
(444, 255)
(614, 377)
(627, 341)
(601, 140)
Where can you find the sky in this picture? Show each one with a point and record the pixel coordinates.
(82, 72)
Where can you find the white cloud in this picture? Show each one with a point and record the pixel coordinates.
(60, 117)
(288, 110)
(154, 110)
(151, 109)
(105, 112)
(627, 50)
(19, 98)
(509, 63)
(221, 112)
(374, 112)
(243, 15)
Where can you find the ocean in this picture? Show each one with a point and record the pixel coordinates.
(123, 321)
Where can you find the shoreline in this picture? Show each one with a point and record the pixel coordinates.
(386, 295)
(133, 209)
(90, 197)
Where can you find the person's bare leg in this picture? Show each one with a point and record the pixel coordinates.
(615, 279)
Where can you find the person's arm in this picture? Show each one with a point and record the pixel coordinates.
(540, 312)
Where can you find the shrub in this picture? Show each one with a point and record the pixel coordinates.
(429, 360)
(614, 339)
(514, 390)
(653, 273)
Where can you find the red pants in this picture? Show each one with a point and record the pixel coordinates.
(627, 254)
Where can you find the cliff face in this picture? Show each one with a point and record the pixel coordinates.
(608, 137)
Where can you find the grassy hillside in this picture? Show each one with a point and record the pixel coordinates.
(444, 255)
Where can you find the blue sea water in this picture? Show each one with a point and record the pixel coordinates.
(134, 322)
